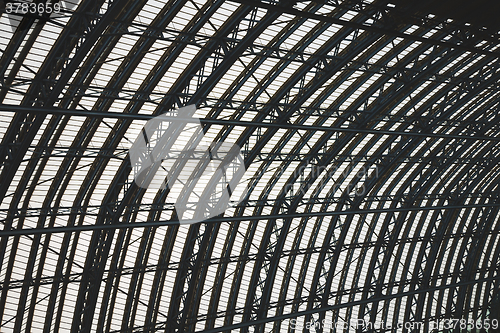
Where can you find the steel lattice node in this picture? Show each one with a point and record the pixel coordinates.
(174, 154)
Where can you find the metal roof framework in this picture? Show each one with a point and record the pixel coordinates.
(371, 148)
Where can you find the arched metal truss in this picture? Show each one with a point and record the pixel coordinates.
(371, 141)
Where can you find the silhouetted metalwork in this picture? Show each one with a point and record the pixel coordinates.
(370, 136)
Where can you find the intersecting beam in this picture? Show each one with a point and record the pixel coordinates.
(93, 210)
(344, 305)
(117, 115)
(121, 154)
(52, 230)
(354, 25)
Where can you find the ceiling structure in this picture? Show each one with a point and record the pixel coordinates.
(371, 146)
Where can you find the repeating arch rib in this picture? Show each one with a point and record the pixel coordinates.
(369, 133)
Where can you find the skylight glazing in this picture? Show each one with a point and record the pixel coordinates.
(370, 157)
